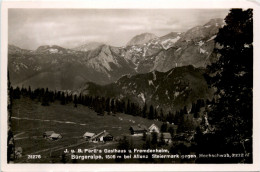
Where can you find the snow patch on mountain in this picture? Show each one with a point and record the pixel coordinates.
(202, 51)
(178, 49)
(53, 50)
(200, 43)
(154, 76)
(213, 37)
(168, 43)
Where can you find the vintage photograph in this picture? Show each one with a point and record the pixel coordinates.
(134, 86)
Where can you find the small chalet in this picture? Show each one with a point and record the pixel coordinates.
(138, 130)
(55, 136)
(48, 134)
(166, 137)
(88, 135)
(102, 137)
(18, 152)
(154, 128)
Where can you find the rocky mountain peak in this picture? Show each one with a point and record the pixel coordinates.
(141, 39)
(50, 49)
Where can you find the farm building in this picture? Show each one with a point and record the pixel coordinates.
(55, 136)
(48, 134)
(102, 137)
(88, 135)
(154, 128)
(138, 130)
(18, 152)
(166, 136)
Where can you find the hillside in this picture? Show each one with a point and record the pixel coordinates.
(30, 120)
(141, 39)
(193, 47)
(61, 69)
(170, 90)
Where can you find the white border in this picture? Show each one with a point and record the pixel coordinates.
(123, 4)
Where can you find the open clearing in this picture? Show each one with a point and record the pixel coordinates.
(30, 120)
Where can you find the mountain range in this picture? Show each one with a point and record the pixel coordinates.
(60, 68)
(169, 90)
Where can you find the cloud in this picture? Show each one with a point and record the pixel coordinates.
(30, 28)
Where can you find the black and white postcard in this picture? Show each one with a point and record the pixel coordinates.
(130, 85)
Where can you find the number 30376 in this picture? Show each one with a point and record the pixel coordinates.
(34, 156)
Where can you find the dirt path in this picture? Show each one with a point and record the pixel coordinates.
(65, 147)
(20, 138)
(47, 120)
(18, 134)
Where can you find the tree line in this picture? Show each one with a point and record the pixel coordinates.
(109, 106)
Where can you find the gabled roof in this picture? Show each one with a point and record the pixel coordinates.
(152, 126)
(55, 135)
(48, 133)
(18, 149)
(106, 134)
(167, 135)
(139, 127)
(88, 134)
(103, 133)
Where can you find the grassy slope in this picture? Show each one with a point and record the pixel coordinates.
(31, 140)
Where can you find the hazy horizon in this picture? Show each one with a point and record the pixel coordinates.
(31, 28)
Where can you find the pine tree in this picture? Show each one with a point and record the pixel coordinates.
(45, 100)
(113, 106)
(144, 136)
(164, 127)
(162, 141)
(75, 101)
(161, 115)
(185, 110)
(151, 113)
(232, 75)
(128, 108)
(154, 140)
(192, 108)
(144, 111)
(62, 99)
(108, 108)
(155, 114)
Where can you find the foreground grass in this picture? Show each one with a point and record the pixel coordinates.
(30, 120)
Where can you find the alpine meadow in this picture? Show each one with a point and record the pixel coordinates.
(130, 86)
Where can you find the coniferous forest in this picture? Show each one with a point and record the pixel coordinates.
(214, 118)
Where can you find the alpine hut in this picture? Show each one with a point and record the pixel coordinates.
(88, 135)
(138, 130)
(47, 134)
(103, 136)
(154, 128)
(166, 137)
(55, 136)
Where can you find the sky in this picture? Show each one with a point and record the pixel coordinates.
(69, 28)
